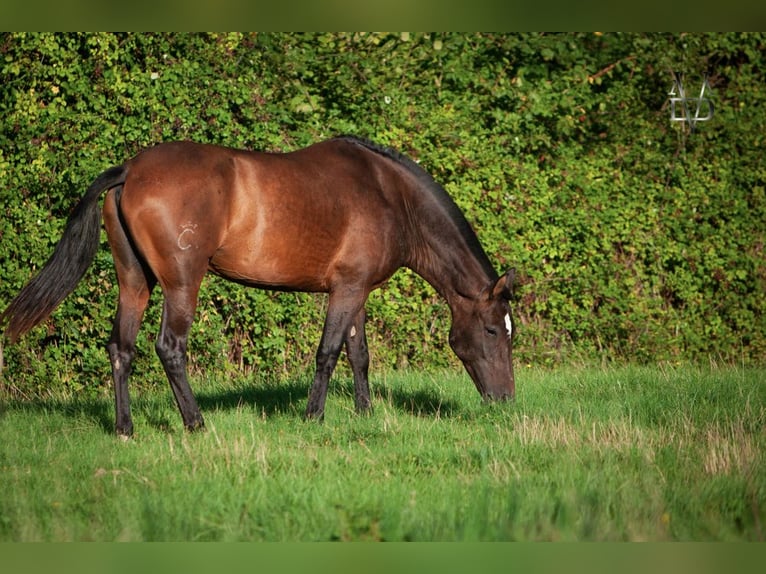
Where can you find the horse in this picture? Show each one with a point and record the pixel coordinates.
(337, 217)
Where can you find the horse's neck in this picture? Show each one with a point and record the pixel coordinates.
(440, 254)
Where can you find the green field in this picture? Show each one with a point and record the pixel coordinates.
(628, 453)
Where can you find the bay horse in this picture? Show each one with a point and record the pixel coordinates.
(338, 217)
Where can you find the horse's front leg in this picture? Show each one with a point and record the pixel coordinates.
(342, 311)
(359, 358)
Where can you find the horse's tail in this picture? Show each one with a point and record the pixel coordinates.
(71, 258)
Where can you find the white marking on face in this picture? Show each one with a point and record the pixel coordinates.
(508, 325)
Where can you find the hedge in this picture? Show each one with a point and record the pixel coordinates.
(634, 239)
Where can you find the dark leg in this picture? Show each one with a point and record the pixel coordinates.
(136, 283)
(122, 348)
(359, 358)
(177, 316)
(341, 312)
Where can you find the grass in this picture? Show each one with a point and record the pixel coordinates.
(583, 454)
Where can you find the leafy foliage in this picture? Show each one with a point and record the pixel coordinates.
(634, 239)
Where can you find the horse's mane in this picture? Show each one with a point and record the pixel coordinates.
(443, 199)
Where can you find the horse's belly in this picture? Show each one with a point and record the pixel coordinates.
(287, 270)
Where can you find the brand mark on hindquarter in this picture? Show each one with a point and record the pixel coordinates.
(184, 238)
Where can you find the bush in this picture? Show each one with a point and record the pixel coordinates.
(634, 239)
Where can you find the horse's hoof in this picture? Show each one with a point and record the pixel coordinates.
(196, 426)
(314, 416)
(364, 409)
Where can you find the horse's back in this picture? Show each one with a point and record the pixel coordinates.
(303, 220)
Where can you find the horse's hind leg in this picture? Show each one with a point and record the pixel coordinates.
(177, 316)
(135, 283)
(359, 358)
(122, 347)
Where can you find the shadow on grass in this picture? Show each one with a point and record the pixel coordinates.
(422, 403)
(268, 399)
(98, 410)
(290, 397)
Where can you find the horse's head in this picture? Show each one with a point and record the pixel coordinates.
(482, 337)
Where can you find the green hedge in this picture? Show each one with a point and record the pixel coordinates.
(633, 238)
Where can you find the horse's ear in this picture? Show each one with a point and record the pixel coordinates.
(504, 286)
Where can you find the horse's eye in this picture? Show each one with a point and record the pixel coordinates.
(491, 331)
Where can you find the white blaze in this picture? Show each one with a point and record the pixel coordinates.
(508, 325)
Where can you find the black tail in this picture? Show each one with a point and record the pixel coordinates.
(71, 258)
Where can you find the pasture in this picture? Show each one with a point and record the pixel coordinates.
(583, 454)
